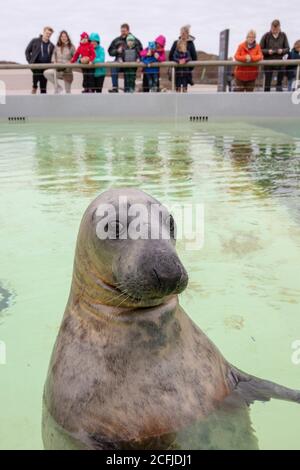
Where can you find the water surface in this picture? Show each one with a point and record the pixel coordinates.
(244, 284)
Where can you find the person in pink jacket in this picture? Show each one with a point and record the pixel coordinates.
(149, 55)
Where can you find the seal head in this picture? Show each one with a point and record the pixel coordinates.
(126, 253)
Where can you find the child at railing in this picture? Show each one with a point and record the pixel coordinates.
(149, 56)
(130, 54)
(155, 52)
(86, 55)
(294, 54)
(99, 73)
(182, 74)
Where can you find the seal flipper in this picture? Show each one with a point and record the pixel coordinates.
(255, 389)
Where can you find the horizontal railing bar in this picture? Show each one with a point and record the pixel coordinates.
(110, 65)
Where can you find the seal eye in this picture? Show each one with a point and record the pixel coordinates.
(171, 226)
(115, 228)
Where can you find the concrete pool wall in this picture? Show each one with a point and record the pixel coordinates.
(193, 107)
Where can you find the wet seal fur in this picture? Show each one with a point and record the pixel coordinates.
(130, 370)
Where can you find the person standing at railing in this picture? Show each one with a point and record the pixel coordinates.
(63, 54)
(248, 52)
(85, 53)
(116, 50)
(99, 72)
(155, 52)
(39, 51)
(275, 46)
(182, 56)
(292, 69)
(131, 53)
(186, 36)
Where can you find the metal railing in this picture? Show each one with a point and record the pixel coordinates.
(168, 64)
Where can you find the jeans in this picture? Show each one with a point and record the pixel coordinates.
(115, 77)
(38, 78)
(269, 75)
(151, 82)
(98, 84)
(88, 78)
(182, 78)
(130, 77)
(292, 77)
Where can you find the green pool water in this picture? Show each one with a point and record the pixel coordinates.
(244, 287)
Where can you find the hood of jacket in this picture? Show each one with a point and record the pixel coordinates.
(190, 38)
(161, 40)
(95, 37)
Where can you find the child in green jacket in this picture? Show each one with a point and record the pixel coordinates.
(100, 72)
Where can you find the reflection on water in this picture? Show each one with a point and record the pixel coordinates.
(244, 285)
(5, 297)
(86, 165)
(274, 167)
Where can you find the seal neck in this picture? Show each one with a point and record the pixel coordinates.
(89, 289)
(80, 297)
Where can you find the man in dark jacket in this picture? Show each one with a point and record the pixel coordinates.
(275, 46)
(39, 51)
(116, 50)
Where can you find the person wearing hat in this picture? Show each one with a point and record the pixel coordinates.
(275, 46)
(116, 50)
(131, 53)
(85, 53)
(155, 52)
(39, 51)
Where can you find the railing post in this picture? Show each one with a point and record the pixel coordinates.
(173, 78)
(55, 80)
(298, 77)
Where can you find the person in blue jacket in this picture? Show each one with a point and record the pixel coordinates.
(294, 54)
(152, 74)
(100, 72)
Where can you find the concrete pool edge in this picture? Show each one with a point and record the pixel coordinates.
(189, 107)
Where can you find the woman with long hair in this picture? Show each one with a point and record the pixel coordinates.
(62, 54)
(189, 40)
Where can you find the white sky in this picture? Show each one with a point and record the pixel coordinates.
(21, 20)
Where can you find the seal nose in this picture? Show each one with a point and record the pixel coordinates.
(170, 277)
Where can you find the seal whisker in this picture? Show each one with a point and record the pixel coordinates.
(116, 298)
(125, 300)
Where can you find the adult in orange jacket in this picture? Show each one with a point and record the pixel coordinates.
(249, 51)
